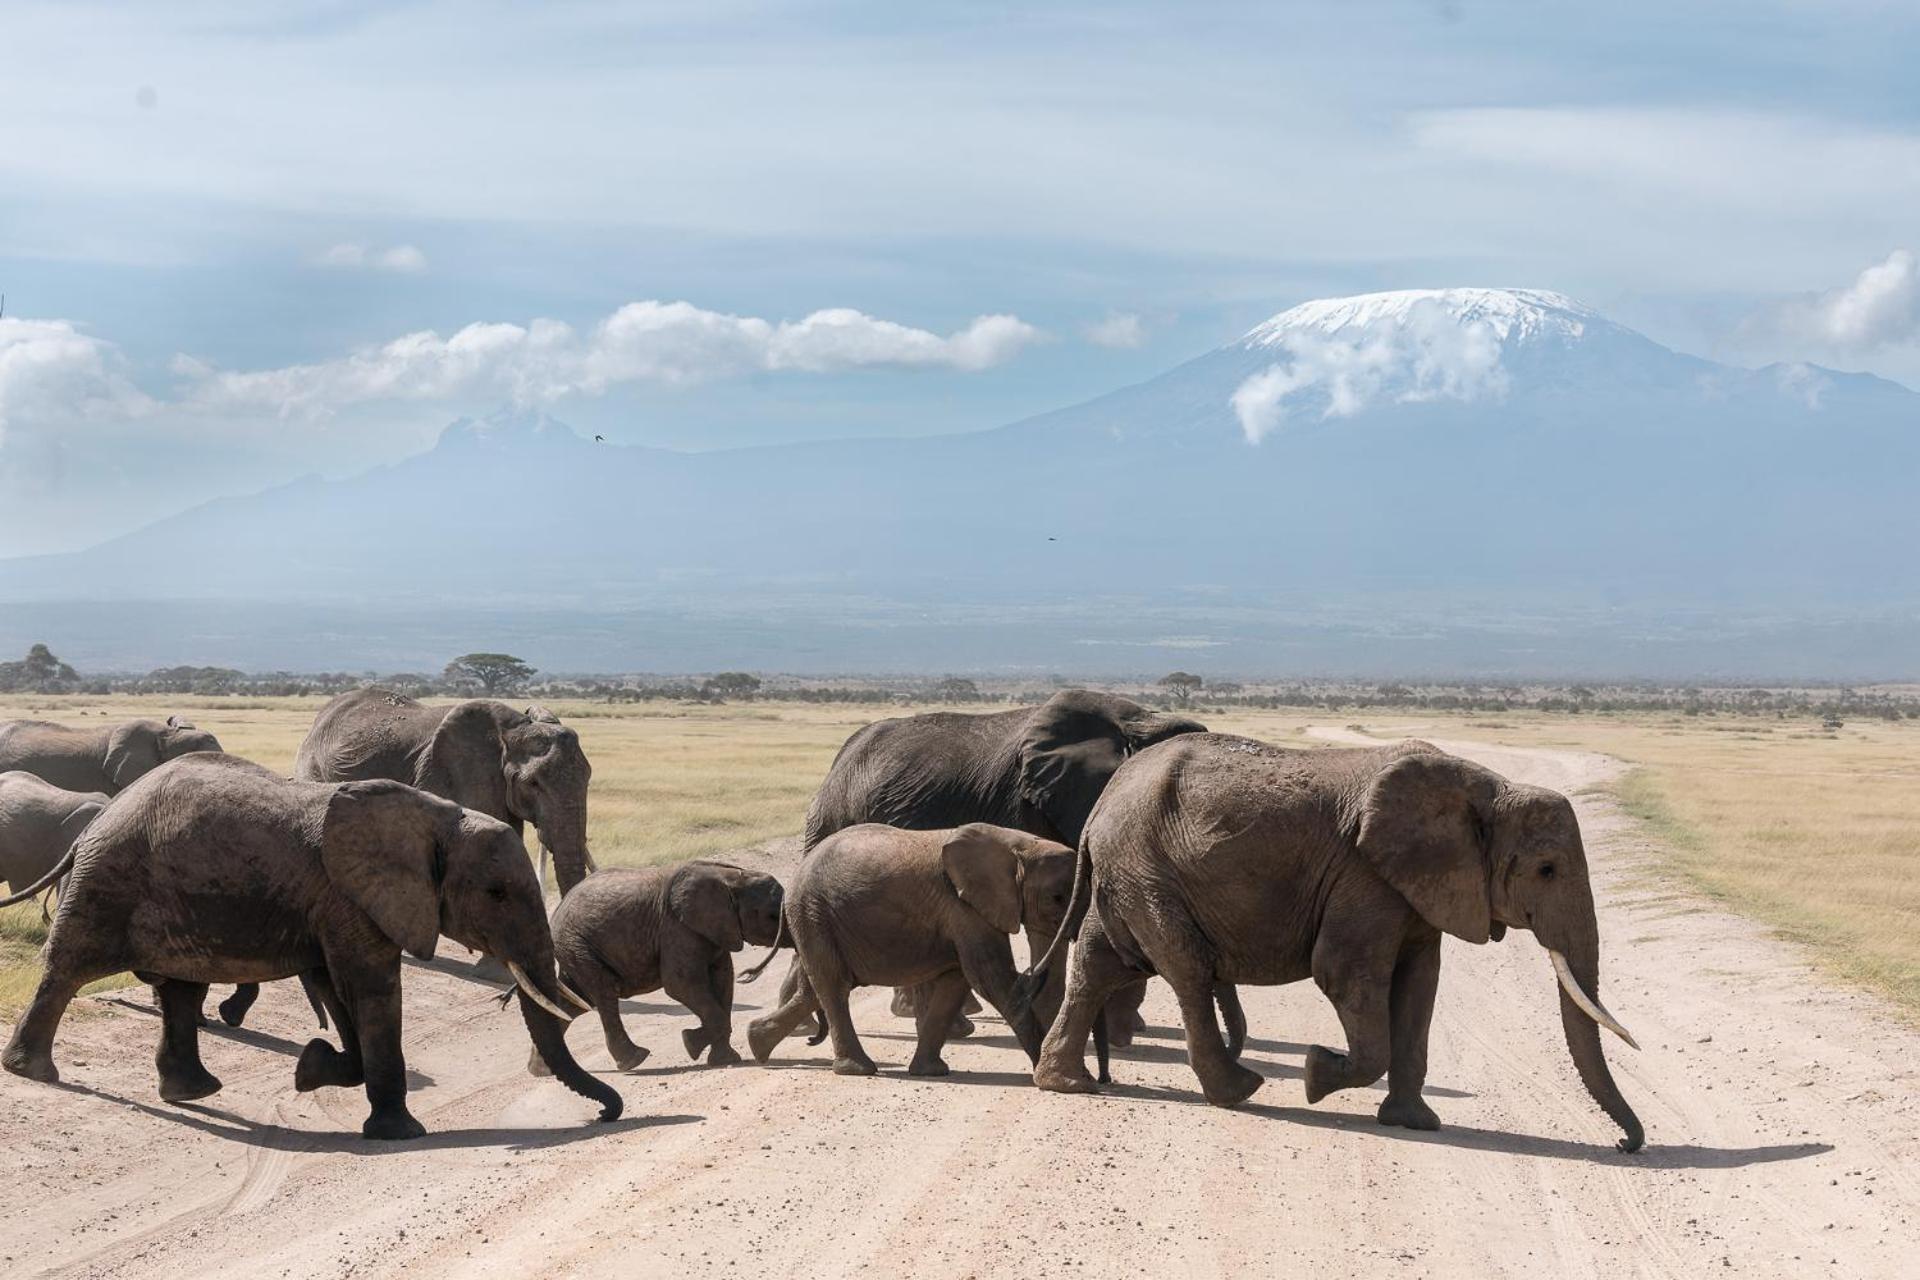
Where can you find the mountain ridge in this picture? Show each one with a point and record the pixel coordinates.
(1414, 457)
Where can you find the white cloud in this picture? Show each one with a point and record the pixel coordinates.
(1428, 355)
(664, 342)
(1118, 329)
(1880, 308)
(401, 259)
(52, 375)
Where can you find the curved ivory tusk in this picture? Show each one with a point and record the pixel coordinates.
(532, 993)
(572, 995)
(1588, 1005)
(591, 864)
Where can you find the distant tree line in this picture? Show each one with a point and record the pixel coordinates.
(504, 675)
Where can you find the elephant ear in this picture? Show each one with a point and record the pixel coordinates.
(1070, 751)
(383, 845)
(541, 715)
(179, 722)
(466, 760)
(132, 750)
(701, 898)
(1424, 827)
(985, 872)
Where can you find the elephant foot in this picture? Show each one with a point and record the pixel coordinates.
(761, 1039)
(30, 1065)
(186, 1086)
(392, 1126)
(962, 1027)
(1121, 1030)
(723, 1055)
(696, 1041)
(861, 1066)
(630, 1057)
(902, 1006)
(819, 1035)
(927, 1067)
(1326, 1071)
(1407, 1113)
(231, 1013)
(1232, 1086)
(321, 1065)
(1054, 1080)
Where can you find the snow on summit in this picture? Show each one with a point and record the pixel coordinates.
(1502, 314)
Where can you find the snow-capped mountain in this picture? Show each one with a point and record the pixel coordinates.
(1356, 484)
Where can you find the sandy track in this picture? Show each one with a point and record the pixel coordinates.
(1783, 1123)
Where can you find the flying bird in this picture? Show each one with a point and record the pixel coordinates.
(599, 439)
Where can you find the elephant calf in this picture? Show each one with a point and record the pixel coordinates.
(875, 905)
(38, 824)
(625, 932)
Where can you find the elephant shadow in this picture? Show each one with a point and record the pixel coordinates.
(257, 1039)
(219, 1123)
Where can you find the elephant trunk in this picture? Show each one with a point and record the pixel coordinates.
(1582, 1030)
(549, 1036)
(564, 835)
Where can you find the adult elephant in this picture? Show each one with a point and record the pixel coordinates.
(108, 759)
(1037, 769)
(518, 766)
(1216, 858)
(212, 869)
(38, 824)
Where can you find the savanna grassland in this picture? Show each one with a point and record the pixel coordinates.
(1815, 831)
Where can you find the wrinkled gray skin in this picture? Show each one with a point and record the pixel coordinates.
(628, 931)
(517, 766)
(879, 905)
(212, 869)
(1217, 858)
(107, 759)
(38, 824)
(1039, 769)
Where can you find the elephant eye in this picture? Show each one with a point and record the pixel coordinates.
(497, 892)
(1546, 871)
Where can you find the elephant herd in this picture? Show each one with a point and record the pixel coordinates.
(1125, 843)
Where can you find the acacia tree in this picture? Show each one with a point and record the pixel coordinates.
(493, 672)
(733, 684)
(38, 672)
(1182, 685)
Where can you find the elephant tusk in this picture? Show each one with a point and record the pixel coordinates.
(572, 995)
(1588, 1005)
(532, 993)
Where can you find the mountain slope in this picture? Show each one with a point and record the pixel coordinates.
(1490, 457)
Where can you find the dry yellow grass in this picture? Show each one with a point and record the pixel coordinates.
(1816, 833)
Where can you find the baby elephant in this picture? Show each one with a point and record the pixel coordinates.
(880, 906)
(622, 932)
(38, 824)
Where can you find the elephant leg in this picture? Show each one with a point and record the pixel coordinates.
(721, 984)
(1416, 979)
(1122, 1014)
(691, 981)
(182, 1076)
(1224, 1082)
(626, 1054)
(908, 1001)
(1358, 984)
(831, 987)
(1094, 972)
(320, 1064)
(374, 996)
(799, 1006)
(1232, 1016)
(233, 1010)
(940, 1002)
(69, 967)
(791, 984)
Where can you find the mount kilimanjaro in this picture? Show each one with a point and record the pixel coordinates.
(1460, 481)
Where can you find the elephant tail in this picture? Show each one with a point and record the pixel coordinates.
(1029, 983)
(779, 932)
(58, 869)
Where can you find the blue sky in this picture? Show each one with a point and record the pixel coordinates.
(224, 232)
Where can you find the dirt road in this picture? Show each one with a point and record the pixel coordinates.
(1783, 1131)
